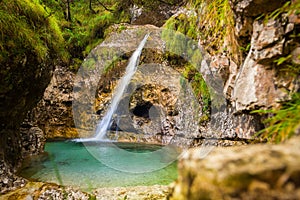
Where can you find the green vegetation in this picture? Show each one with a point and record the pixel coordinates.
(288, 8)
(200, 89)
(287, 66)
(26, 26)
(89, 20)
(283, 122)
(185, 24)
(210, 21)
(42, 27)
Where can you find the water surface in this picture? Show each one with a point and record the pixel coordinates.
(72, 164)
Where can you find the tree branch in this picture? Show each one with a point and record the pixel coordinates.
(110, 10)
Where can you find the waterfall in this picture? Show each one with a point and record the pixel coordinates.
(104, 124)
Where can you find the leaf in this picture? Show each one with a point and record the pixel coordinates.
(281, 60)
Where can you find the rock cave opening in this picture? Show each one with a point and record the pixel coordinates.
(143, 109)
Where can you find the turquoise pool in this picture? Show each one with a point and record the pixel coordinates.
(93, 165)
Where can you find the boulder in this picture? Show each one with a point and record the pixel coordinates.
(262, 171)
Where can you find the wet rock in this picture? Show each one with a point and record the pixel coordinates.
(245, 172)
(23, 78)
(33, 141)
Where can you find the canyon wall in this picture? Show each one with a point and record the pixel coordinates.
(255, 81)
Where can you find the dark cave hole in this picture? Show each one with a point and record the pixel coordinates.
(142, 110)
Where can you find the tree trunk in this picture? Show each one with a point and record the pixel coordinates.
(91, 8)
(68, 11)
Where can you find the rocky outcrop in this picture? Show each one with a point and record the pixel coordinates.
(53, 114)
(153, 12)
(259, 76)
(8, 178)
(258, 82)
(157, 192)
(246, 172)
(157, 103)
(22, 85)
(245, 13)
(43, 191)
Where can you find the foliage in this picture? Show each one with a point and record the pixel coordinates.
(199, 87)
(182, 52)
(283, 122)
(184, 24)
(210, 21)
(150, 4)
(86, 30)
(288, 8)
(26, 26)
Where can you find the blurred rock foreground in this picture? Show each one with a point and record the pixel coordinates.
(258, 171)
(250, 172)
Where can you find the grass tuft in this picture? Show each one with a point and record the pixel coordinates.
(283, 122)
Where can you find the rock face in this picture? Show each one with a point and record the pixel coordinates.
(153, 12)
(258, 82)
(157, 102)
(246, 172)
(259, 72)
(22, 85)
(43, 191)
(53, 113)
(8, 179)
(245, 13)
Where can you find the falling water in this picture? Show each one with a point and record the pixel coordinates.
(104, 124)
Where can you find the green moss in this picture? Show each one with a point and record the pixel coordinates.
(211, 21)
(200, 89)
(25, 25)
(184, 24)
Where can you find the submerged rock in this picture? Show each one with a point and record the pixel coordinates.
(262, 171)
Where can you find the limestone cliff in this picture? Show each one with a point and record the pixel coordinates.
(247, 80)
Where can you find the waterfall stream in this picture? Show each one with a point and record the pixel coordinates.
(104, 124)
